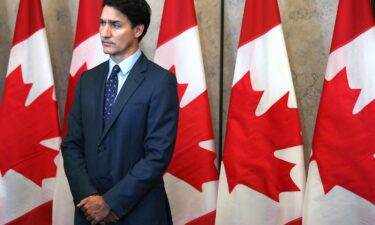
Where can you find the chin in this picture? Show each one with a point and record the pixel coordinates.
(108, 51)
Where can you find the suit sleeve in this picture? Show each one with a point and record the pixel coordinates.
(159, 144)
(73, 152)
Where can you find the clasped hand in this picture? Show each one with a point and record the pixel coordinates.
(96, 210)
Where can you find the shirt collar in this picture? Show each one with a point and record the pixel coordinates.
(127, 64)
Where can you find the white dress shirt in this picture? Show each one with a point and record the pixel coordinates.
(126, 65)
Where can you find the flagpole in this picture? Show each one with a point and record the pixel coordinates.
(221, 89)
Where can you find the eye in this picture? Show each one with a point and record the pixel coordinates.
(102, 23)
(116, 25)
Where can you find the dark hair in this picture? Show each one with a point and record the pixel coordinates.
(137, 11)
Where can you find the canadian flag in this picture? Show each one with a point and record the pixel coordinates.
(88, 50)
(341, 182)
(29, 126)
(87, 53)
(192, 177)
(262, 175)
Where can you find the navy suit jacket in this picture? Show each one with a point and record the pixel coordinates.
(125, 160)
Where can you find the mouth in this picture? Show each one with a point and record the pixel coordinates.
(107, 44)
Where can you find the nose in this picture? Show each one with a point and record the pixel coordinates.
(105, 31)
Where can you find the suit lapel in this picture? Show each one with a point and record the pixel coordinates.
(131, 84)
(100, 86)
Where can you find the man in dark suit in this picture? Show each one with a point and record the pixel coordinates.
(122, 127)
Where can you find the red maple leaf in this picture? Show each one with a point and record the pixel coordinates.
(23, 128)
(252, 140)
(207, 219)
(344, 142)
(190, 162)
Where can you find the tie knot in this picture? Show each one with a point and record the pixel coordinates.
(115, 70)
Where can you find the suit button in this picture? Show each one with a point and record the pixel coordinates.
(101, 149)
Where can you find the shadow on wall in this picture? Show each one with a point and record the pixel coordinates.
(308, 55)
(5, 43)
(60, 36)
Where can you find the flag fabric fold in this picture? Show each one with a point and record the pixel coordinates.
(341, 186)
(87, 54)
(29, 126)
(262, 174)
(192, 177)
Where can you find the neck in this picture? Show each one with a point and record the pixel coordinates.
(129, 52)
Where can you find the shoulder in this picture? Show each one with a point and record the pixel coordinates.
(156, 68)
(96, 72)
(156, 73)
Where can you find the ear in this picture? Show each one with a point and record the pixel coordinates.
(138, 30)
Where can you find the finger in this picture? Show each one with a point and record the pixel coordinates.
(115, 216)
(82, 202)
(88, 208)
(89, 218)
(111, 219)
(90, 214)
(95, 221)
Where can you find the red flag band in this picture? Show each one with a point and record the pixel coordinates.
(341, 185)
(29, 127)
(191, 179)
(262, 172)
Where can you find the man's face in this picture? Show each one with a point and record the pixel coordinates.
(119, 39)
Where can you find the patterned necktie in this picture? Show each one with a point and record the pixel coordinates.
(110, 93)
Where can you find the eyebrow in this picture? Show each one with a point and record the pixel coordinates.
(110, 21)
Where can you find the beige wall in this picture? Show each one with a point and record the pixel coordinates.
(307, 24)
